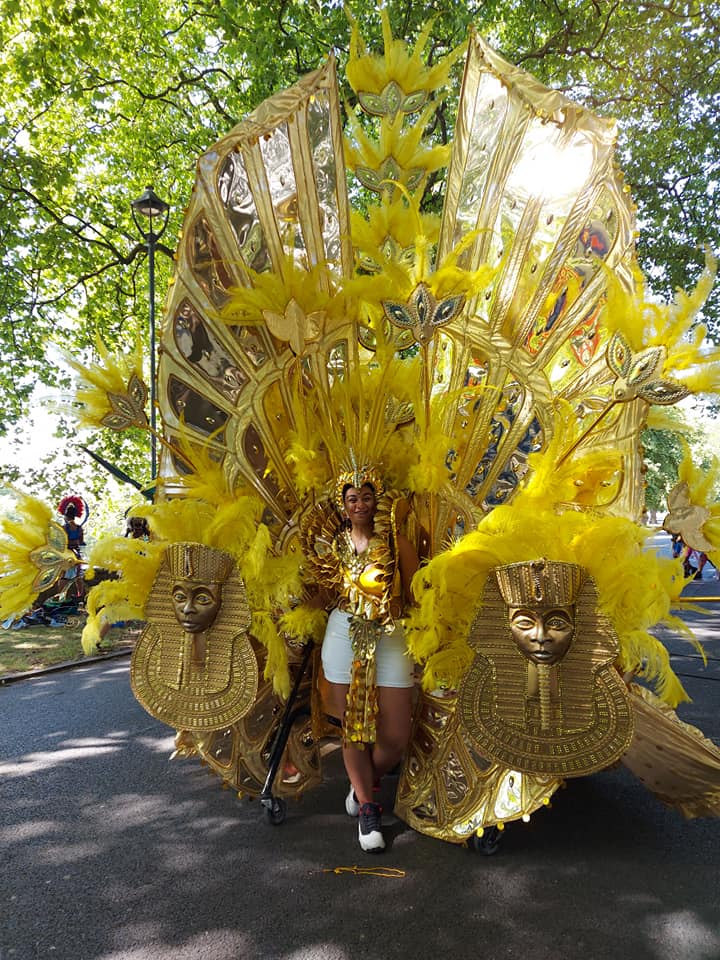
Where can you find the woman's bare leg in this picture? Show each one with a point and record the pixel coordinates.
(393, 727)
(360, 770)
(358, 763)
(365, 766)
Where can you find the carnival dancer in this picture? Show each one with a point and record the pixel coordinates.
(72, 509)
(365, 577)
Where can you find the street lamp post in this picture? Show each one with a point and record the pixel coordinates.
(157, 211)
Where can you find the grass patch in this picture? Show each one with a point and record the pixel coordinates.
(36, 647)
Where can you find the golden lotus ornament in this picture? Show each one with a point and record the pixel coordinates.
(127, 409)
(422, 314)
(51, 559)
(639, 374)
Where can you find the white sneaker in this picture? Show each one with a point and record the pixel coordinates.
(369, 828)
(352, 804)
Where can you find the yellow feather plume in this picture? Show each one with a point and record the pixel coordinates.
(305, 453)
(310, 467)
(33, 555)
(371, 72)
(351, 415)
(390, 220)
(690, 360)
(425, 462)
(304, 623)
(137, 563)
(588, 479)
(449, 663)
(276, 667)
(111, 393)
(703, 481)
(207, 480)
(412, 159)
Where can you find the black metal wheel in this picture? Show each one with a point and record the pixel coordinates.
(489, 843)
(275, 811)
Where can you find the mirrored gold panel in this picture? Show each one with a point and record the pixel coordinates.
(200, 347)
(241, 213)
(325, 174)
(207, 264)
(197, 411)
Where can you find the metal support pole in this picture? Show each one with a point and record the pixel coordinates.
(151, 206)
(153, 386)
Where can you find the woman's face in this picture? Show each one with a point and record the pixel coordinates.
(137, 526)
(196, 605)
(543, 636)
(360, 505)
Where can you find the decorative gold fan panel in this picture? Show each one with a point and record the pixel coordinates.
(269, 194)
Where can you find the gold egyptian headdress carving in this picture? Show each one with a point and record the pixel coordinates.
(569, 719)
(165, 677)
(198, 563)
(547, 583)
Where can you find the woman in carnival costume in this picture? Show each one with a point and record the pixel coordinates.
(365, 568)
(72, 508)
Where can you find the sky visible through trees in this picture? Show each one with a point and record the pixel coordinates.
(101, 99)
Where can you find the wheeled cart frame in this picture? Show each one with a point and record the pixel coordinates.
(275, 807)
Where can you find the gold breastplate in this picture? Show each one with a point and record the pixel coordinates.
(367, 576)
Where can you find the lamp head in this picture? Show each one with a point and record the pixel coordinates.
(150, 205)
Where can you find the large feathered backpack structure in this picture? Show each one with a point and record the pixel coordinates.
(482, 334)
(502, 297)
(294, 319)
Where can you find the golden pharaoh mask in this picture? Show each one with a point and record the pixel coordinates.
(568, 718)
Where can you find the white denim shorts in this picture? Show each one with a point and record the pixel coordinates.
(394, 666)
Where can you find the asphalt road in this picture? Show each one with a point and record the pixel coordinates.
(108, 851)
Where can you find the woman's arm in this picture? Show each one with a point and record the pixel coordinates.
(408, 562)
(322, 599)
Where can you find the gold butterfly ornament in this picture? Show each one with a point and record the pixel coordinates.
(294, 326)
(422, 314)
(639, 374)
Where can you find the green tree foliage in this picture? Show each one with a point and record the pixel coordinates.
(663, 452)
(100, 99)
